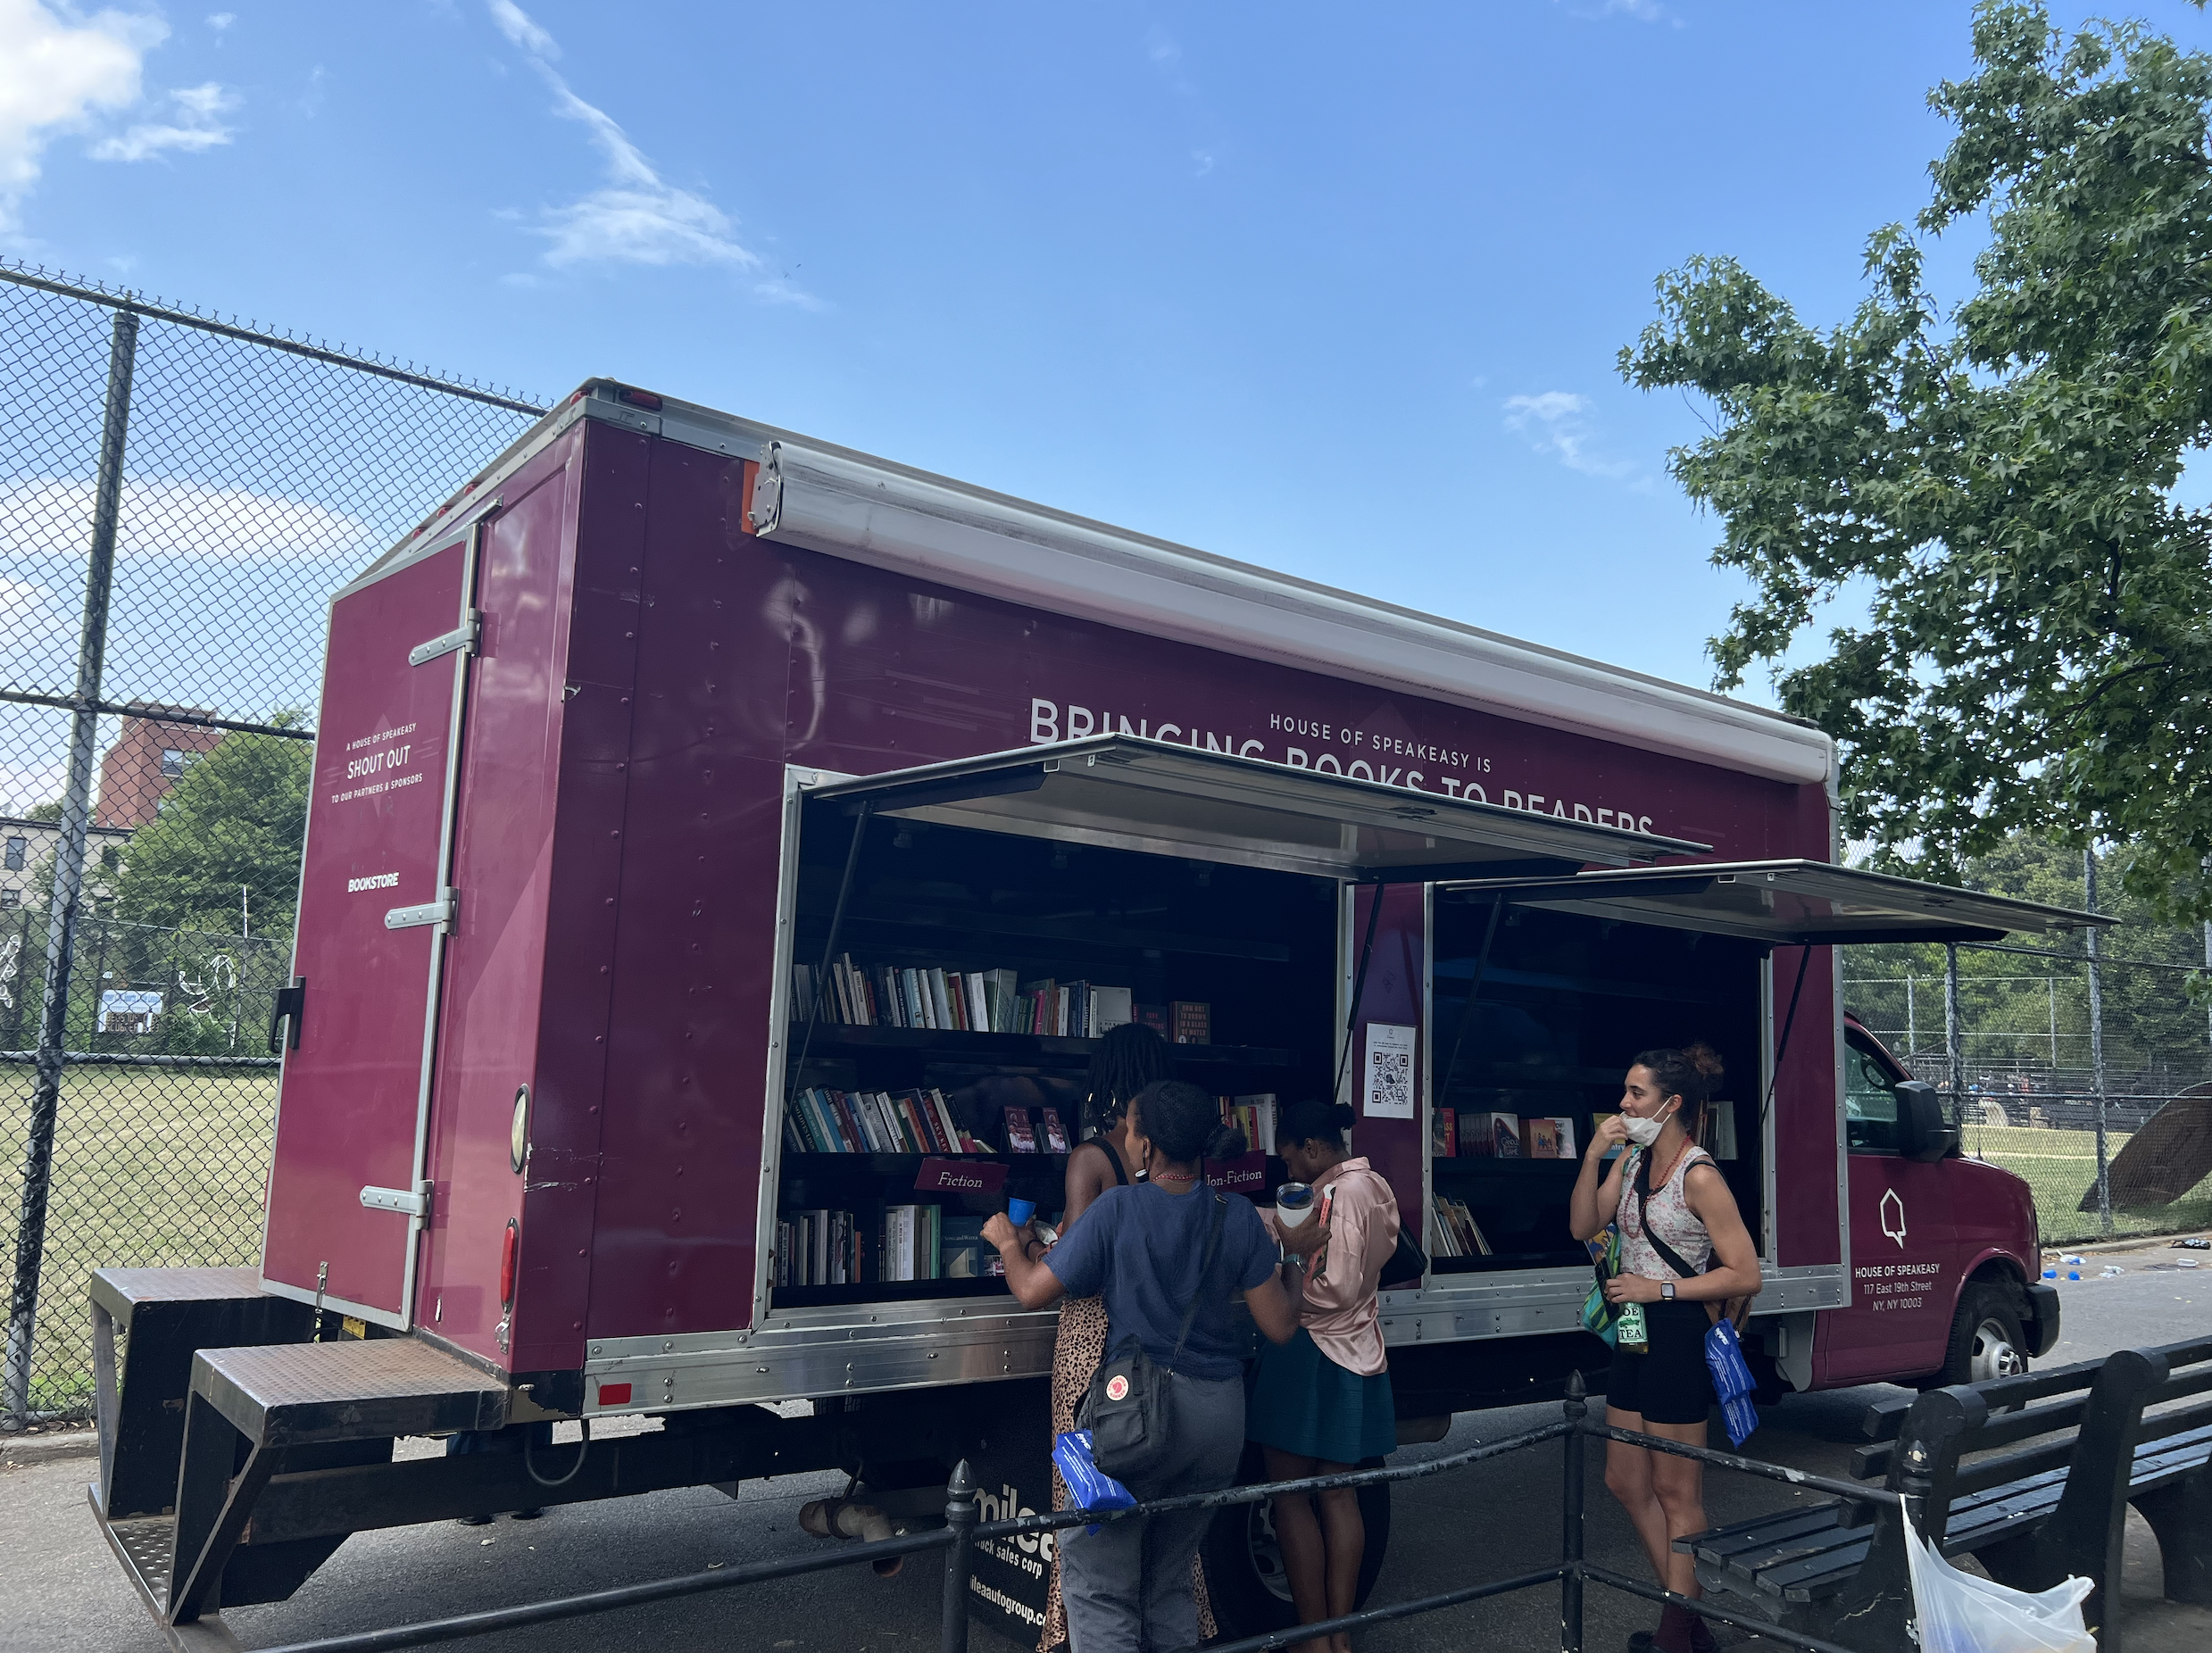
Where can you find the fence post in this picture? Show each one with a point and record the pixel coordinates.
(68, 873)
(2096, 1039)
(960, 1515)
(1570, 1517)
(1954, 1035)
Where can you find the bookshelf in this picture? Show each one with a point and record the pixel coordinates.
(954, 946)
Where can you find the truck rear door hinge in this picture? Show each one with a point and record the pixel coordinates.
(442, 910)
(408, 1203)
(463, 639)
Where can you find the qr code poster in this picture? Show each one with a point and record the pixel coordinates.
(1390, 1071)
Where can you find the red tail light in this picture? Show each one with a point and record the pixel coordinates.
(507, 1251)
(614, 1394)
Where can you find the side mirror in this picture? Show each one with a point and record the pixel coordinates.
(1922, 1132)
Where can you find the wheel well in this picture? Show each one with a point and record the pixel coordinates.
(2000, 1271)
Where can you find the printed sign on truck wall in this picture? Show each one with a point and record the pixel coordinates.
(1389, 1072)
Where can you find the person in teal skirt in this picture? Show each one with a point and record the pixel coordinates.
(1321, 1403)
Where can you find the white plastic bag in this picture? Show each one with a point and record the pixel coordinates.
(1958, 1613)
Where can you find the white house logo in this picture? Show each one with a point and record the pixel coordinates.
(374, 881)
(1893, 1217)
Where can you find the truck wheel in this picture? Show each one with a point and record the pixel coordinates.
(1986, 1341)
(1244, 1575)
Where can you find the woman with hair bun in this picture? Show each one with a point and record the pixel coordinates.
(1156, 1251)
(1321, 1402)
(1684, 1253)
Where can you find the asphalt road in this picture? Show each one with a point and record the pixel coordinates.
(64, 1591)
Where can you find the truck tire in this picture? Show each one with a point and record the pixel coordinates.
(1986, 1339)
(1244, 1575)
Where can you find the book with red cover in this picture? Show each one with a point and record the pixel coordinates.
(1055, 1133)
(1194, 1022)
(1021, 1137)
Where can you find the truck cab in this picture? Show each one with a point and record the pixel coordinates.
(1946, 1285)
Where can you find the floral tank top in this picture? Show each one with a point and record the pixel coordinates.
(1670, 1217)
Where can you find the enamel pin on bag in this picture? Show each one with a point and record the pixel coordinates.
(1126, 1409)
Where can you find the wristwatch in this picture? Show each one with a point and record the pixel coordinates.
(1667, 1291)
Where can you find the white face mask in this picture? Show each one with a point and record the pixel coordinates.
(1642, 1132)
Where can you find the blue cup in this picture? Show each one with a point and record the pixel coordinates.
(1020, 1212)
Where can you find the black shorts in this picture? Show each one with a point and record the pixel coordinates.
(1668, 1383)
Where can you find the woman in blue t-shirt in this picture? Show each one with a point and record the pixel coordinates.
(1141, 1248)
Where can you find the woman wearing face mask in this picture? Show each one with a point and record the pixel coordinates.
(1683, 1247)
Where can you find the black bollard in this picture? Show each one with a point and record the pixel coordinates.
(1577, 1408)
(960, 1515)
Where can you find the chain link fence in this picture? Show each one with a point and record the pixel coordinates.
(2033, 1058)
(179, 496)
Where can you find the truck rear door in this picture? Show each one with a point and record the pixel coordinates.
(348, 1194)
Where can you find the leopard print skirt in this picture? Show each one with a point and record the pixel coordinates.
(1080, 1347)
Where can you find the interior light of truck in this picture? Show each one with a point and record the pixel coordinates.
(507, 1251)
(519, 1129)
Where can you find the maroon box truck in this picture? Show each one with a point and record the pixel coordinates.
(724, 850)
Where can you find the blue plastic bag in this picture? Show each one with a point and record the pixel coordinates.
(1732, 1380)
(1088, 1486)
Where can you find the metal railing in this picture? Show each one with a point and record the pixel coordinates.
(962, 1532)
(179, 496)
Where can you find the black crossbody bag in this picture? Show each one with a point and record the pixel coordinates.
(1128, 1407)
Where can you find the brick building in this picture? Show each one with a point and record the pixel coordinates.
(149, 757)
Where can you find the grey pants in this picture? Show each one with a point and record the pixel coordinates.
(1128, 1586)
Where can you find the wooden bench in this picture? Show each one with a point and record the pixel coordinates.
(2032, 1474)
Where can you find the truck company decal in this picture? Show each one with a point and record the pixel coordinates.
(1047, 723)
(391, 758)
(374, 881)
(1892, 1287)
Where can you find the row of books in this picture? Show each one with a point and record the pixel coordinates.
(883, 995)
(1454, 1231)
(1255, 1116)
(896, 1244)
(822, 1121)
(1468, 1135)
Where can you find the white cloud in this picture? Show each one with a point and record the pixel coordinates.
(1161, 46)
(221, 21)
(56, 73)
(1557, 422)
(49, 518)
(638, 217)
(1201, 162)
(198, 125)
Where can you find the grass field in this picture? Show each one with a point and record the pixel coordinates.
(2061, 1166)
(152, 1168)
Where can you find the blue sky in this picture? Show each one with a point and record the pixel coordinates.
(1337, 291)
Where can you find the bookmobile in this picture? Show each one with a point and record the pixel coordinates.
(724, 850)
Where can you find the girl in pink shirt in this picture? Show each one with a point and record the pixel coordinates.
(1321, 1403)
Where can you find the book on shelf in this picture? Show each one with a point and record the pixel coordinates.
(823, 1121)
(1154, 1017)
(1565, 1126)
(1254, 1115)
(1490, 1135)
(963, 1249)
(1443, 1133)
(1192, 1022)
(1454, 1231)
(1021, 1137)
(1540, 1137)
(1717, 1130)
(1055, 1133)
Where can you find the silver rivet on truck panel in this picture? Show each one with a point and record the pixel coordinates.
(594, 1348)
(669, 1348)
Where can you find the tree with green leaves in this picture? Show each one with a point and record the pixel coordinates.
(1999, 475)
(235, 821)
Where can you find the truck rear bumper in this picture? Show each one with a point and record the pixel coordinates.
(2042, 1325)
